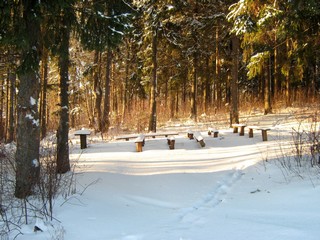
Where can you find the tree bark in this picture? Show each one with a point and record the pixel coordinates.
(218, 72)
(12, 90)
(63, 162)
(97, 90)
(207, 97)
(153, 90)
(28, 127)
(2, 122)
(267, 88)
(125, 96)
(194, 88)
(28, 135)
(276, 73)
(234, 108)
(43, 103)
(288, 75)
(105, 121)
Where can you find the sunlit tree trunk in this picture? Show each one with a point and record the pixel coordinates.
(97, 89)
(43, 94)
(105, 121)
(218, 71)
(125, 94)
(267, 87)
(234, 108)
(276, 80)
(153, 90)
(207, 95)
(288, 75)
(194, 88)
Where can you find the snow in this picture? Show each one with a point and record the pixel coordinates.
(32, 101)
(34, 121)
(35, 163)
(226, 190)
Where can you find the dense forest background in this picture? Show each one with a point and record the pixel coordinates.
(134, 64)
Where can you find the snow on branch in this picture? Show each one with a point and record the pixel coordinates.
(256, 64)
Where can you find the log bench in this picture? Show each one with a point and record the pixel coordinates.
(139, 143)
(171, 141)
(127, 137)
(197, 136)
(161, 134)
(264, 131)
(153, 135)
(241, 126)
(140, 138)
(213, 132)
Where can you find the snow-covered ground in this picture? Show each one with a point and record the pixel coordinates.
(230, 189)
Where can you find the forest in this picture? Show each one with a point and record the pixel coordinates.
(134, 64)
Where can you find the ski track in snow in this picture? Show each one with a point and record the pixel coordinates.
(195, 214)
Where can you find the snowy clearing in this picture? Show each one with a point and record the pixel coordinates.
(230, 189)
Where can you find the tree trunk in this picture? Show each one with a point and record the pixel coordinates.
(125, 87)
(267, 87)
(172, 103)
(28, 135)
(218, 72)
(12, 91)
(207, 98)
(105, 121)
(276, 74)
(234, 108)
(153, 90)
(97, 90)
(2, 122)
(28, 130)
(288, 75)
(63, 163)
(194, 88)
(43, 102)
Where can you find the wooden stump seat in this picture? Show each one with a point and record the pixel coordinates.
(190, 134)
(171, 142)
(139, 143)
(213, 132)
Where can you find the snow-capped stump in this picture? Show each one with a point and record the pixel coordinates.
(83, 133)
(139, 143)
(190, 134)
(199, 138)
(171, 142)
(214, 132)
